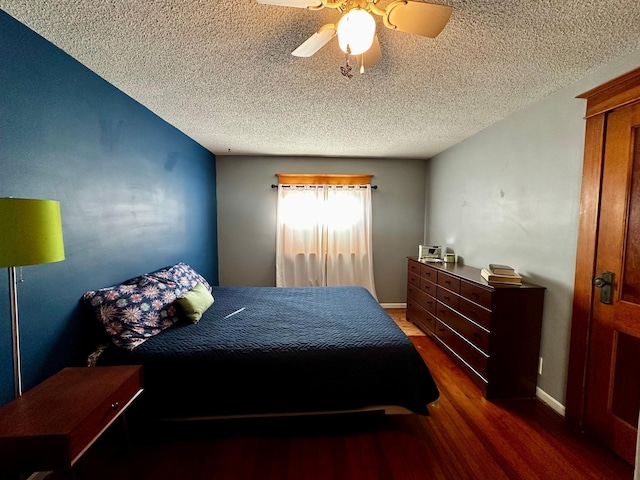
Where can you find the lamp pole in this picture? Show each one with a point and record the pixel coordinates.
(15, 333)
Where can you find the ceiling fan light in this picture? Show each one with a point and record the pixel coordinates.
(356, 29)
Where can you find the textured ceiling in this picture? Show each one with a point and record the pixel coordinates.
(221, 70)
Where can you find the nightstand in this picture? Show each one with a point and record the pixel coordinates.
(52, 425)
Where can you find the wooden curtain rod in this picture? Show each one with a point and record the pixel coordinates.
(373, 187)
(338, 179)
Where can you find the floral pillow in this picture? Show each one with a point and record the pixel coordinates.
(144, 306)
(182, 274)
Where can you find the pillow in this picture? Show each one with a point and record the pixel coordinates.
(143, 306)
(134, 310)
(180, 274)
(195, 302)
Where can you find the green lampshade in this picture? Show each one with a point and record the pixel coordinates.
(30, 232)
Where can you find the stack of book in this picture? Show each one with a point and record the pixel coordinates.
(501, 275)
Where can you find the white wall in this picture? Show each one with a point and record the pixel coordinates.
(511, 194)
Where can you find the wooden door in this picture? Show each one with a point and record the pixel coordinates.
(603, 337)
(612, 396)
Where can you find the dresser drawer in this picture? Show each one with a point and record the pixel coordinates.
(425, 301)
(414, 267)
(428, 287)
(449, 282)
(475, 312)
(473, 357)
(481, 296)
(412, 292)
(420, 317)
(448, 297)
(428, 273)
(472, 332)
(413, 279)
(104, 414)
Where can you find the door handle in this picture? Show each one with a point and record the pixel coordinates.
(605, 284)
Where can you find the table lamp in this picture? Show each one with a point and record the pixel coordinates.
(30, 234)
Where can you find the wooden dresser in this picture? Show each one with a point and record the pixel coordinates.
(492, 332)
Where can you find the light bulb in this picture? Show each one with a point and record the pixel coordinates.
(356, 29)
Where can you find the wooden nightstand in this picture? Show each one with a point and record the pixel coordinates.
(52, 425)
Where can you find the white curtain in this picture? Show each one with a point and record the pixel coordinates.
(324, 236)
(299, 239)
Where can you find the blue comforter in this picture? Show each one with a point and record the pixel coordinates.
(264, 350)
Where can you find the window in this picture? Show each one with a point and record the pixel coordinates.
(324, 231)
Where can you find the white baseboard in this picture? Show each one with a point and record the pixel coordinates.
(393, 305)
(551, 402)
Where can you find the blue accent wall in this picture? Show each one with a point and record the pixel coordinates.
(136, 194)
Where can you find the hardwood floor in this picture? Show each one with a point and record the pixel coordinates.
(465, 437)
(399, 316)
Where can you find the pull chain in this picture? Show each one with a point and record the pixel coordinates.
(346, 70)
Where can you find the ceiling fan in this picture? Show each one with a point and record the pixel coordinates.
(356, 27)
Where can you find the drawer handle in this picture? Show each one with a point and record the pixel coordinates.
(446, 298)
(115, 406)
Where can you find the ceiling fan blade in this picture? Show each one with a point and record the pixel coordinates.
(316, 41)
(373, 55)
(425, 19)
(292, 3)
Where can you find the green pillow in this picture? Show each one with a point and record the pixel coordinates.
(195, 302)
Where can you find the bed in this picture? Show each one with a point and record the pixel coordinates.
(260, 351)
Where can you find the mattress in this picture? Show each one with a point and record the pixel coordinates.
(271, 350)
